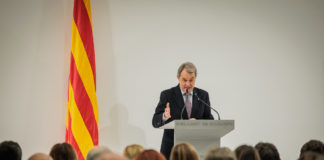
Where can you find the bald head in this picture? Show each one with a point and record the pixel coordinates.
(40, 156)
(97, 152)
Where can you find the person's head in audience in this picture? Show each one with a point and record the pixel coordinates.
(10, 150)
(63, 151)
(246, 152)
(309, 155)
(184, 151)
(98, 153)
(312, 146)
(113, 156)
(150, 154)
(239, 149)
(131, 151)
(267, 151)
(220, 153)
(40, 156)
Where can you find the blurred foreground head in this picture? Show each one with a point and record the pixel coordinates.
(184, 151)
(246, 152)
(315, 146)
(40, 156)
(98, 153)
(132, 151)
(220, 153)
(10, 150)
(150, 154)
(63, 151)
(267, 151)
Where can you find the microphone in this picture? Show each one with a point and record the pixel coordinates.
(199, 99)
(184, 106)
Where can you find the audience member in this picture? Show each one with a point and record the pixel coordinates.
(246, 152)
(131, 151)
(184, 151)
(238, 150)
(309, 155)
(311, 150)
(267, 151)
(40, 156)
(113, 156)
(10, 150)
(63, 151)
(313, 146)
(220, 153)
(150, 154)
(98, 153)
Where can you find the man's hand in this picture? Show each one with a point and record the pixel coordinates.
(192, 119)
(167, 111)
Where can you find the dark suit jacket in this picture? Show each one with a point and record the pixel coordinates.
(175, 98)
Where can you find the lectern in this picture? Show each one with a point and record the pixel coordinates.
(202, 134)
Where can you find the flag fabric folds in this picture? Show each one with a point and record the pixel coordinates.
(82, 107)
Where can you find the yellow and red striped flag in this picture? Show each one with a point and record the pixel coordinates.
(82, 107)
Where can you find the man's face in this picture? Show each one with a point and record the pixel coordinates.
(187, 81)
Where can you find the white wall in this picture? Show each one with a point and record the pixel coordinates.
(262, 63)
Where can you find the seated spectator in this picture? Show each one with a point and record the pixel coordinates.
(313, 146)
(246, 152)
(40, 156)
(10, 150)
(238, 150)
(63, 151)
(184, 151)
(98, 153)
(267, 151)
(113, 156)
(150, 154)
(220, 153)
(132, 151)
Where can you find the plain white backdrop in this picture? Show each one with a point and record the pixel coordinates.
(262, 63)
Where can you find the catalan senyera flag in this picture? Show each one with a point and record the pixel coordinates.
(82, 107)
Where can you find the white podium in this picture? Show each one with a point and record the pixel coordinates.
(202, 134)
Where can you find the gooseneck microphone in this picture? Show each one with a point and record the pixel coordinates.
(199, 99)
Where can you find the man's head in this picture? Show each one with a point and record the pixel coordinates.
(267, 151)
(10, 150)
(187, 74)
(40, 156)
(98, 153)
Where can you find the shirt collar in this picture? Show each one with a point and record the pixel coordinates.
(183, 93)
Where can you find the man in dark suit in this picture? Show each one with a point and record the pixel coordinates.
(173, 100)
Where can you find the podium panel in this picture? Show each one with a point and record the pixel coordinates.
(202, 134)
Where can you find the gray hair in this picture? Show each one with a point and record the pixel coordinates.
(190, 68)
(97, 151)
(220, 153)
